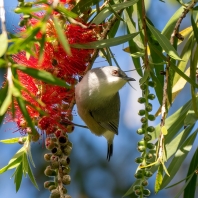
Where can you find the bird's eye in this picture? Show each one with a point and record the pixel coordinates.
(115, 72)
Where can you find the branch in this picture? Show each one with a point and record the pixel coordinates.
(146, 59)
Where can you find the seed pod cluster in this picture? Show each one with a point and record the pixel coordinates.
(145, 147)
(59, 160)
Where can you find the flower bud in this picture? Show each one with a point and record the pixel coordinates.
(138, 175)
(141, 148)
(152, 84)
(146, 192)
(136, 187)
(148, 173)
(47, 157)
(67, 150)
(55, 194)
(149, 107)
(54, 164)
(47, 184)
(138, 192)
(144, 183)
(66, 179)
(151, 96)
(150, 145)
(141, 100)
(139, 160)
(151, 117)
(141, 143)
(143, 86)
(147, 137)
(140, 131)
(66, 170)
(150, 129)
(141, 112)
(143, 120)
(149, 156)
(49, 172)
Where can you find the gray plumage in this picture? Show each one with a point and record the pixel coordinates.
(98, 101)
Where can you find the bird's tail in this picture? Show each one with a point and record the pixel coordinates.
(109, 150)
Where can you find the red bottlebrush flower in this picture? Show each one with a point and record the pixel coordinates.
(59, 63)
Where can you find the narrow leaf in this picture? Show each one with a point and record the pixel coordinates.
(106, 12)
(159, 177)
(31, 176)
(183, 75)
(42, 75)
(4, 43)
(106, 42)
(11, 165)
(10, 141)
(195, 29)
(18, 176)
(82, 6)
(26, 115)
(164, 42)
(191, 187)
(179, 158)
(169, 27)
(61, 36)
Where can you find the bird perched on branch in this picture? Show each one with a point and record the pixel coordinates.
(98, 101)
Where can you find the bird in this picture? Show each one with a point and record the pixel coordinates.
(98, 101)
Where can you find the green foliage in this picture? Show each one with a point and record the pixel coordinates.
(161, 58)
(20, 163)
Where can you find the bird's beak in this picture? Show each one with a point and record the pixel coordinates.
(128, 78)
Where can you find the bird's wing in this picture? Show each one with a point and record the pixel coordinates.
(107, 115)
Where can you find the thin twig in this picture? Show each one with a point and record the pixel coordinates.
(146, 59)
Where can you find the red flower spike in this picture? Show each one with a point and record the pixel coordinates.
(56, 61)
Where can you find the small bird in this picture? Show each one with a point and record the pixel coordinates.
(98, 101)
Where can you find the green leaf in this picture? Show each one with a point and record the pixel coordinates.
(114, 29)
(12, 164)
(10, 141)
(7, 101)
(173, 123)
(182, 189)
(18, 176)
(114, 12)
(42, 75)
(159, 177)
(26, 115)
(4, 43)
(82, 6)
(191, 118)
(179, 157)
(104, 13)
(132, 29)
(164, 42)
(183, 75)
(195, 29)
(31, 176)
(185, 55)
(61, 36)
(106, 42)
(169, 27)
(191, 187)
(66, 12)
(176, 142)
